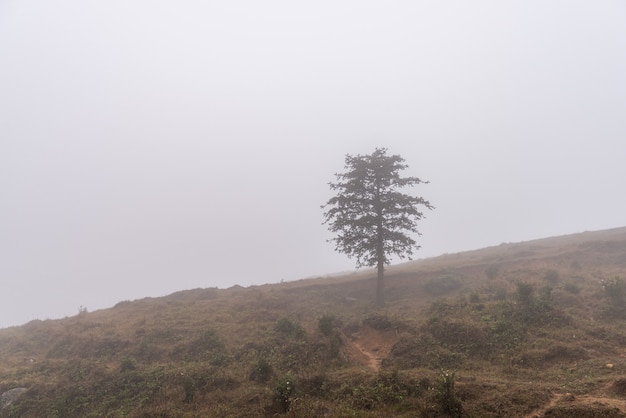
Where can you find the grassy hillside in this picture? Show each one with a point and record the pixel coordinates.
(533, 329)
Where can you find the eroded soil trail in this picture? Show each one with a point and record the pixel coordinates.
(369, 346)
(585, 401)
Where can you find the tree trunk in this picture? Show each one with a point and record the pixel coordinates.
(380, 265)
(380, 285)
(380, 248)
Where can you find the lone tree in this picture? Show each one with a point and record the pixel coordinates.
(371, 218)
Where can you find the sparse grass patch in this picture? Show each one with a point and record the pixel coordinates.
(442, 285)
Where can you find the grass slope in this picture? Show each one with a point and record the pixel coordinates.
(533, 329)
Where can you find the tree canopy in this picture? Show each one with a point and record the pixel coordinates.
(371, 218)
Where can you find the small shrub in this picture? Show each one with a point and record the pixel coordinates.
(283, 392)
(261, 372)
(552, 276)
(474, 297)
(128, 364)
(572, 288)
(492, 271)
(290, 328)
(327, 325)
(531, 308)
(446, 395)
(189, 387)
(546, 295)
(314, 385)
(373, 395)
(524, 293)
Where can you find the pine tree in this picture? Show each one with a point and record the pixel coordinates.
(371, 218)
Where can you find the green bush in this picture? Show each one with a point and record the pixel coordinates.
(128, 364)
(327, 325)
(533, 308)
(261, 372)
(283, 392)
(189, 387)
(446, 395)
(524, 293)
(290, 328)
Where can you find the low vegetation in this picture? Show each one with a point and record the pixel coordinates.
(519, 330)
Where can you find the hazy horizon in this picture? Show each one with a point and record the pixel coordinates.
(152, 147)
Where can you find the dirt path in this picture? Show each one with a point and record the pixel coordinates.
(369, 346)
(567, 399)
(371, 360)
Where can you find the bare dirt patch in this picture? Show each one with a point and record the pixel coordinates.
(368, 346)
(585, 406)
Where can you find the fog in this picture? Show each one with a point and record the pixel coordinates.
(148, 147)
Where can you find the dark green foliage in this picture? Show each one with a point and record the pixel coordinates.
(327, 325)
(369, 211)
(371, 218)
(262, 371)
(446, 395)
(317, 385)
(524, 294)
(289, 328)
(283, 391)
(189, 387)
(128, 363)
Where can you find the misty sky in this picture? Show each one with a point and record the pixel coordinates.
(154, 146)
